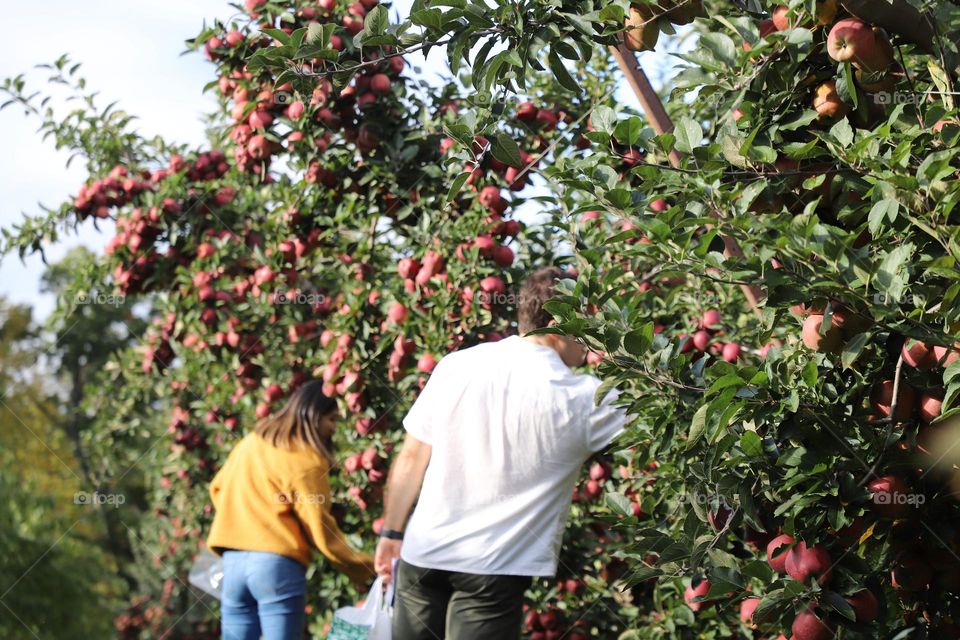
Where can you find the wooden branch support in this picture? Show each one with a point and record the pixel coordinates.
(661, 123)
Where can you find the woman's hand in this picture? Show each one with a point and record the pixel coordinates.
(387, 551)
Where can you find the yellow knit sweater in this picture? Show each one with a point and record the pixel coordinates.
(270, 499)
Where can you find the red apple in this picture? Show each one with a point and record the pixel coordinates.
(710, 320)
(945, 356)
(777, 551)
(659, 206)
(918, 354)
(697, 589)
(747, 607)
(779, 18)
(234, 38)
(804, 563)
(731, 352)
(854, 41)
(881, 399)
(380, 83)
(808, 626)
(701, 339)
(865, 605)
(931, 402)
(827, 102)
(370, 459)
(493, 285)
(397, 312)
(408, 267)
(426, 363)
(889, 495)
(831, 341)
(527, 112)
(546, 119)
(503, 255)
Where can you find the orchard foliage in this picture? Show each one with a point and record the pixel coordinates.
(334, 230)
(353, 224)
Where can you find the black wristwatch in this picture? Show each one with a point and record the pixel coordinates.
(391, 534)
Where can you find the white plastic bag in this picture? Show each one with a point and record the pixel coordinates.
(206, 573)
(372, 621)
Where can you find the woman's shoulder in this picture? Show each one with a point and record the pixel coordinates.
(291, 461)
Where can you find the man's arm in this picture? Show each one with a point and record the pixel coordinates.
(403, 487)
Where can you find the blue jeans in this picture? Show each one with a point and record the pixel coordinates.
(263, 593)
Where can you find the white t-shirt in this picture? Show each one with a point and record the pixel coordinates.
(510, 425)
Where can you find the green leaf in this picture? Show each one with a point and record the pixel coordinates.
(458, 183)
(604, 119)
(505, 149)
(566, 50)
(277, 34)
(728, 380)
(430, 18)
(799, 35)
(638, 341)
(851, 85)
(317, 34)
(941, 79)
(751, 444)
(628, 131)
(642, 574)
(843, 132)
(697, 426)
(892, 274)
(885, 209)
(851, 351)
(689, 135)
(619, 503)
(836, 602)
(722, 47)
(560, 71)
(771, 603)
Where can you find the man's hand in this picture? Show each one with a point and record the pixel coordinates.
(403, 486)
(387, 551)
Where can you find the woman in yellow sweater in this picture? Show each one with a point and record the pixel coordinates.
(272, 501)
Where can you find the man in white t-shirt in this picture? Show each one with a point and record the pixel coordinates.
(494, 447)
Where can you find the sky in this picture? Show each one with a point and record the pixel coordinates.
(130, 52)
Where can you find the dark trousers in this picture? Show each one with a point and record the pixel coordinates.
(431, 604)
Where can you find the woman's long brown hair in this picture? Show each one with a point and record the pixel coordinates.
(297, 425)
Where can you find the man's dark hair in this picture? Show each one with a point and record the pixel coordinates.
(539, 287)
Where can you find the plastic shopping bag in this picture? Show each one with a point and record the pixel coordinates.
(370, 622)
(206, 573)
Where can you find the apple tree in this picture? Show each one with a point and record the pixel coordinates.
(353, 227)
(769, 283)
(791, 468)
